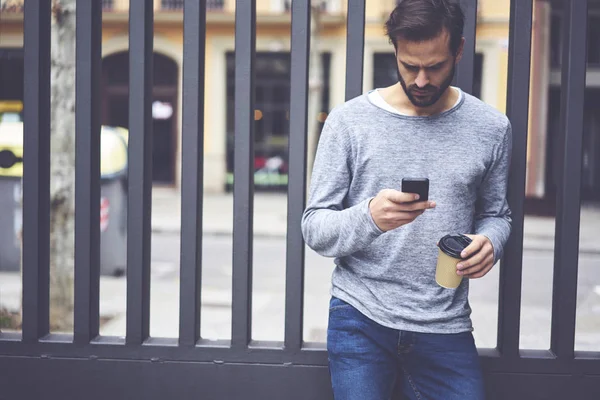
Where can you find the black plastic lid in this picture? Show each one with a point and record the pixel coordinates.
(453, 245)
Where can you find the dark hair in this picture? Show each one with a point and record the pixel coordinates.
(419, 20)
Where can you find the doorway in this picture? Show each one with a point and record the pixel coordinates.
(115, 109)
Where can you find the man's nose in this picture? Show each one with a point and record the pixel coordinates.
(422, 79)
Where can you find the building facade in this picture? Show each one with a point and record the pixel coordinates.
(273, 82)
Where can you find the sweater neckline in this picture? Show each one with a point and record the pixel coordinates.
(443, 114)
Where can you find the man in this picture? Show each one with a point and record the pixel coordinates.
(392, 329)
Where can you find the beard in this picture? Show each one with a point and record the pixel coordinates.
(432, 93)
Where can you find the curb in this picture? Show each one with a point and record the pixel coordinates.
(536, 247)
(539, 245)
(220, 233)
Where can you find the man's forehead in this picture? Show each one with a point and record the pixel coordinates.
(428, 52)
(437, 46)
(423, 60)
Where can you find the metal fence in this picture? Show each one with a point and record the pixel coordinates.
(37, 364)
(11, 6)
(107, 5)
(178, 4)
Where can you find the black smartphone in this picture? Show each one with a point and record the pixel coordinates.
(419, 186)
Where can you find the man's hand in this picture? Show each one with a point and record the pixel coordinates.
(391, 209)
(478, 258)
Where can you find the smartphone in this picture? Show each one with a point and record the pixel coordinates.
(419, 186)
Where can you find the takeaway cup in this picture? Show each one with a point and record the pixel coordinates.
(450, 247)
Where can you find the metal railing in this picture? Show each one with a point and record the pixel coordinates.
(17, 5)
(11, 6)
(322, 4)
(36, 361)
(178, 4)
(107, 5)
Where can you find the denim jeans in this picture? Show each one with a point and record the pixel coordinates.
(368, 361)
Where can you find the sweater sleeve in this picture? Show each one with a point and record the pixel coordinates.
(493, 215)
(328, 227)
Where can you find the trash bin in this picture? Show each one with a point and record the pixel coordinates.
(113, 201)
(11, 171)
(113, 198)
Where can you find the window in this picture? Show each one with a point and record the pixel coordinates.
(271, 116)
(555, 40)
(593, 39)
(385, 70)
(11, 74)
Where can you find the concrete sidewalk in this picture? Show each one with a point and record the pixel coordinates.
(270, 219)
(270, 213)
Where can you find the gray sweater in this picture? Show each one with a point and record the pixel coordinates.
(390, 277)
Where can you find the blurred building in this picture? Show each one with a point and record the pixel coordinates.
(273, 82)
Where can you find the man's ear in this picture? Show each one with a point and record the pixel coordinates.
(459, 52)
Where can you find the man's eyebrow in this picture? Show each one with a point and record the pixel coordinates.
(431, 66)
(437, 65)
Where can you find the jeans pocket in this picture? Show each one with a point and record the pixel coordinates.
(458, 344)
(337, 304)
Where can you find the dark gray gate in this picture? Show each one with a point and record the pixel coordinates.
(40, 365)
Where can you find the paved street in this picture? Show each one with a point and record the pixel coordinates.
(269, 286)
(270, 220)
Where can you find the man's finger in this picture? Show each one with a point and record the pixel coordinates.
(485, 265)
(472, 270)
(398, 197)
(418, 206)
(477, 268)
(413, 206)
(473, 248)
(479, 274)
(475, 259)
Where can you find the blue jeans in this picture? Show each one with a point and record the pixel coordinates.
(368, 361)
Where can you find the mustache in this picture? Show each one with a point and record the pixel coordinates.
(427, 88)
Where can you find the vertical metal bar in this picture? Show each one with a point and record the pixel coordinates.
(294, 287)
(464, 71)
(243, 187)
(519, 59)
(355, 48)
(566, 256)
(140, 170)
(192, 159)
(87, 171)
(36, 172)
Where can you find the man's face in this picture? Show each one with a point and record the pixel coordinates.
(426, 69)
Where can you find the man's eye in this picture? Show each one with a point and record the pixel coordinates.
(412, 68)
(435, 67)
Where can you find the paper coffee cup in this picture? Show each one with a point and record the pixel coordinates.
(450, 247)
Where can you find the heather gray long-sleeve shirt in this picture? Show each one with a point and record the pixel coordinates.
(390, 277)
